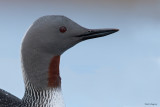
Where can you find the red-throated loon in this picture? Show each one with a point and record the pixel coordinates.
(43, 44)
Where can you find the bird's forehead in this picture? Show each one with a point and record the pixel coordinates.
(57, 18)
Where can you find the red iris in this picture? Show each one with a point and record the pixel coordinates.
(62, 29)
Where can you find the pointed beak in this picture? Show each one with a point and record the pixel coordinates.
(95, 33)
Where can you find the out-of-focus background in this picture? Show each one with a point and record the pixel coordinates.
(120, 70)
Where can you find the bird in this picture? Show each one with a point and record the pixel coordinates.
(42, 46)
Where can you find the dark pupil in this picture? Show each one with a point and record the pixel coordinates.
(62, 29)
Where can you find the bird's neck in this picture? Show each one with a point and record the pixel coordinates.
(42, 80)
(51, 97)
(41, 69)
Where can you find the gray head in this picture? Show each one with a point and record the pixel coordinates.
(45, 41)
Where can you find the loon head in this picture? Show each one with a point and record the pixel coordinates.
(43, 44)
(48, 38)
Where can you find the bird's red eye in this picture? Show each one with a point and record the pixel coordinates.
(62, 29)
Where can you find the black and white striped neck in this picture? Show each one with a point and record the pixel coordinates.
(34, 97)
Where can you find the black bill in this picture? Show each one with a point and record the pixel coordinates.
(95, 33)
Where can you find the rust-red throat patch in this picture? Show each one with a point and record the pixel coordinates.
(54, 79)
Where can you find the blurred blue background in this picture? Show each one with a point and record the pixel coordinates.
(120, 70)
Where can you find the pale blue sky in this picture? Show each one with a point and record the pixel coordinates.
(120, 70)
